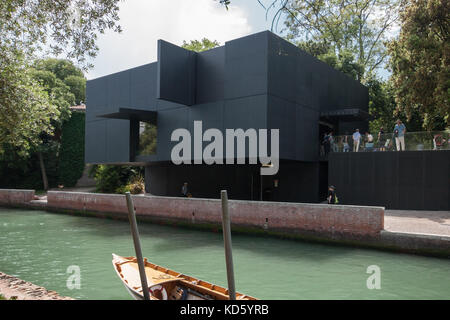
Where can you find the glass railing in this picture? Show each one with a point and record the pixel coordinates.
(411, 141)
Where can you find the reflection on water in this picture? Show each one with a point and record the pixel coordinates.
(39, 247)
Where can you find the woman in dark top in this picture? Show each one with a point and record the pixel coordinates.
(381, 140)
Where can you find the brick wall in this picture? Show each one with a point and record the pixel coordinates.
(319, 218)
(15, 196)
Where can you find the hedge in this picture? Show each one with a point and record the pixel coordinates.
(71, 155)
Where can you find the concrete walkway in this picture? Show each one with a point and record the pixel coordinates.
(17, 289)
(418, 221)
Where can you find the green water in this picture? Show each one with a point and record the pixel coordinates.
(39, 247)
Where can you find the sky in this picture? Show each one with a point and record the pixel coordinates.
(146, 21)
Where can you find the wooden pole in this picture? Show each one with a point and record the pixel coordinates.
(137, 245)
(227, 242)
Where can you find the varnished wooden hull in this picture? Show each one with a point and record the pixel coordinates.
(170, 281)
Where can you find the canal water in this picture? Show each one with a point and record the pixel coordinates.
(40, 247)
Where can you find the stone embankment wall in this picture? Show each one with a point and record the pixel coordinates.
(15, 196)
(17, 289)
(277, 216)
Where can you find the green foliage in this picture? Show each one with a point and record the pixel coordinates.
(114, 178)
(23, 172)
(349, 28)
(70, 75)
(136, 185)
(383, 108)
(61, 68)
(420, 61)
(26, 109)
(147, 140)
(71, 155)
(63, 81)
(27, 27)
(63, 26)
(77, 86)
(199, 46)
(42, 128)
(344, 61)
(381, 105)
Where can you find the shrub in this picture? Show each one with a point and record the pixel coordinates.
(135, 186)
(118, 179)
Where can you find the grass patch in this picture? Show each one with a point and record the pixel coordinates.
(3, 298)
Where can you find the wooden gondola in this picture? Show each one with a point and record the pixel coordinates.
(166, 284)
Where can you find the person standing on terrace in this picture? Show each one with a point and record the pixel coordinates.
(381, 140)
(356, 139)
(399, 134)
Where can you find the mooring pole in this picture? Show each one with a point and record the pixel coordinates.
(137, 245)
(227, 242)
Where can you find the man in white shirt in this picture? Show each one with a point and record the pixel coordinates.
(356, 139)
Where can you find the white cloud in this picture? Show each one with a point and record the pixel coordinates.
(146, 21)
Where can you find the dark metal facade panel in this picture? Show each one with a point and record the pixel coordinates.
(168, 121)
(408, 180)
(118, 88)
(95, 142)
(96, 98)
(118, 141)
(245, 113)
(143, 87)
(301, 78)
(211, 115)
(246, 66)
(307, 134)
(436, 178)
(258, 81)
(210, 82)
(176, 74)
(281, 114)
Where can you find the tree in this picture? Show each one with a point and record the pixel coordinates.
(68, 73)
(64, 82)
(420, 62)
(358, 28)
(56, 76)
(77, 86)
(69, 27)
(199, 46)
(33, 101)
(344, 62)
(26, 110)
(381, 104)
(27, 27)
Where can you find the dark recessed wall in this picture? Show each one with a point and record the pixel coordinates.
(396, 180)
(297, 181)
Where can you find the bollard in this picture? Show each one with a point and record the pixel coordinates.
(137, 245)
(227, 243)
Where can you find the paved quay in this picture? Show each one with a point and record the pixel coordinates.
(418, 221)
(18, 289)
